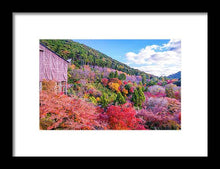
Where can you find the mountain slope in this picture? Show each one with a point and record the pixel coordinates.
(81, 54)
(175, 75)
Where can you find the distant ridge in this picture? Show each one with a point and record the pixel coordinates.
(176, 75)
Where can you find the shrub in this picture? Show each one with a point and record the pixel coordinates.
(114, 86)
(116, 80)
(131, 90)
(174, 106)
(157, 90)
(159, 121)
(170, 90)
(123, 118)
(156, 104)
(94, 92)
(177, 95)
(63, 112)
(70, 91)
(112, 97)
(105, 81)
(125, 82)
(93, 100)
(124, 91)
(50, 86)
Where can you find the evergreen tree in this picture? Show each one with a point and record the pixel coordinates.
(111, 75)
(104, 100)
(141, 95)
(140, 83)
(138, 97)
(122, 76)
(120, 99)
(116, 74)
(135, 98)
(144, 79)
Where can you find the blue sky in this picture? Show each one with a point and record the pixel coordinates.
(158, 57)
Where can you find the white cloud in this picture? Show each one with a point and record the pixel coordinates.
(173, 45)
(142, 56)
(157, 60)
(159, 70)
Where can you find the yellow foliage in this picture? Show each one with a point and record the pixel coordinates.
(50, 86)
(114, 86)
(97, 99)
(86, 96)
(68, 74)
(121, 67)
(125, 92)
(72, 66)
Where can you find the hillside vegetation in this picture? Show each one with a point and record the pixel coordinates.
(104, 96)
(81, 54)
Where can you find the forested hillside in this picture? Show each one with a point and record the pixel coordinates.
(81, 54)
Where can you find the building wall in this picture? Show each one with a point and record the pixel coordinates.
(52, 67)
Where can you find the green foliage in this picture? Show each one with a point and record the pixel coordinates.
(116, 74)
(144, 79)
(110, 95)
(170, 92)
(151, 83)
(141, 94)
(135, 98)
(93, 100)
(82, 54)
(104, 100)
(146, 89)
(71, 91)
(122, 76)
(128, 86)
(111, 75)
(164, 83)
(138, 97)
(120, 99)
(135, 84)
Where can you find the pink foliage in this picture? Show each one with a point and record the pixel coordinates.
(158, 121)
(61, 111)
(156, 104)
(105, 81)
(156, 89)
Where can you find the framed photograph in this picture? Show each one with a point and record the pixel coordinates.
(110, 84)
